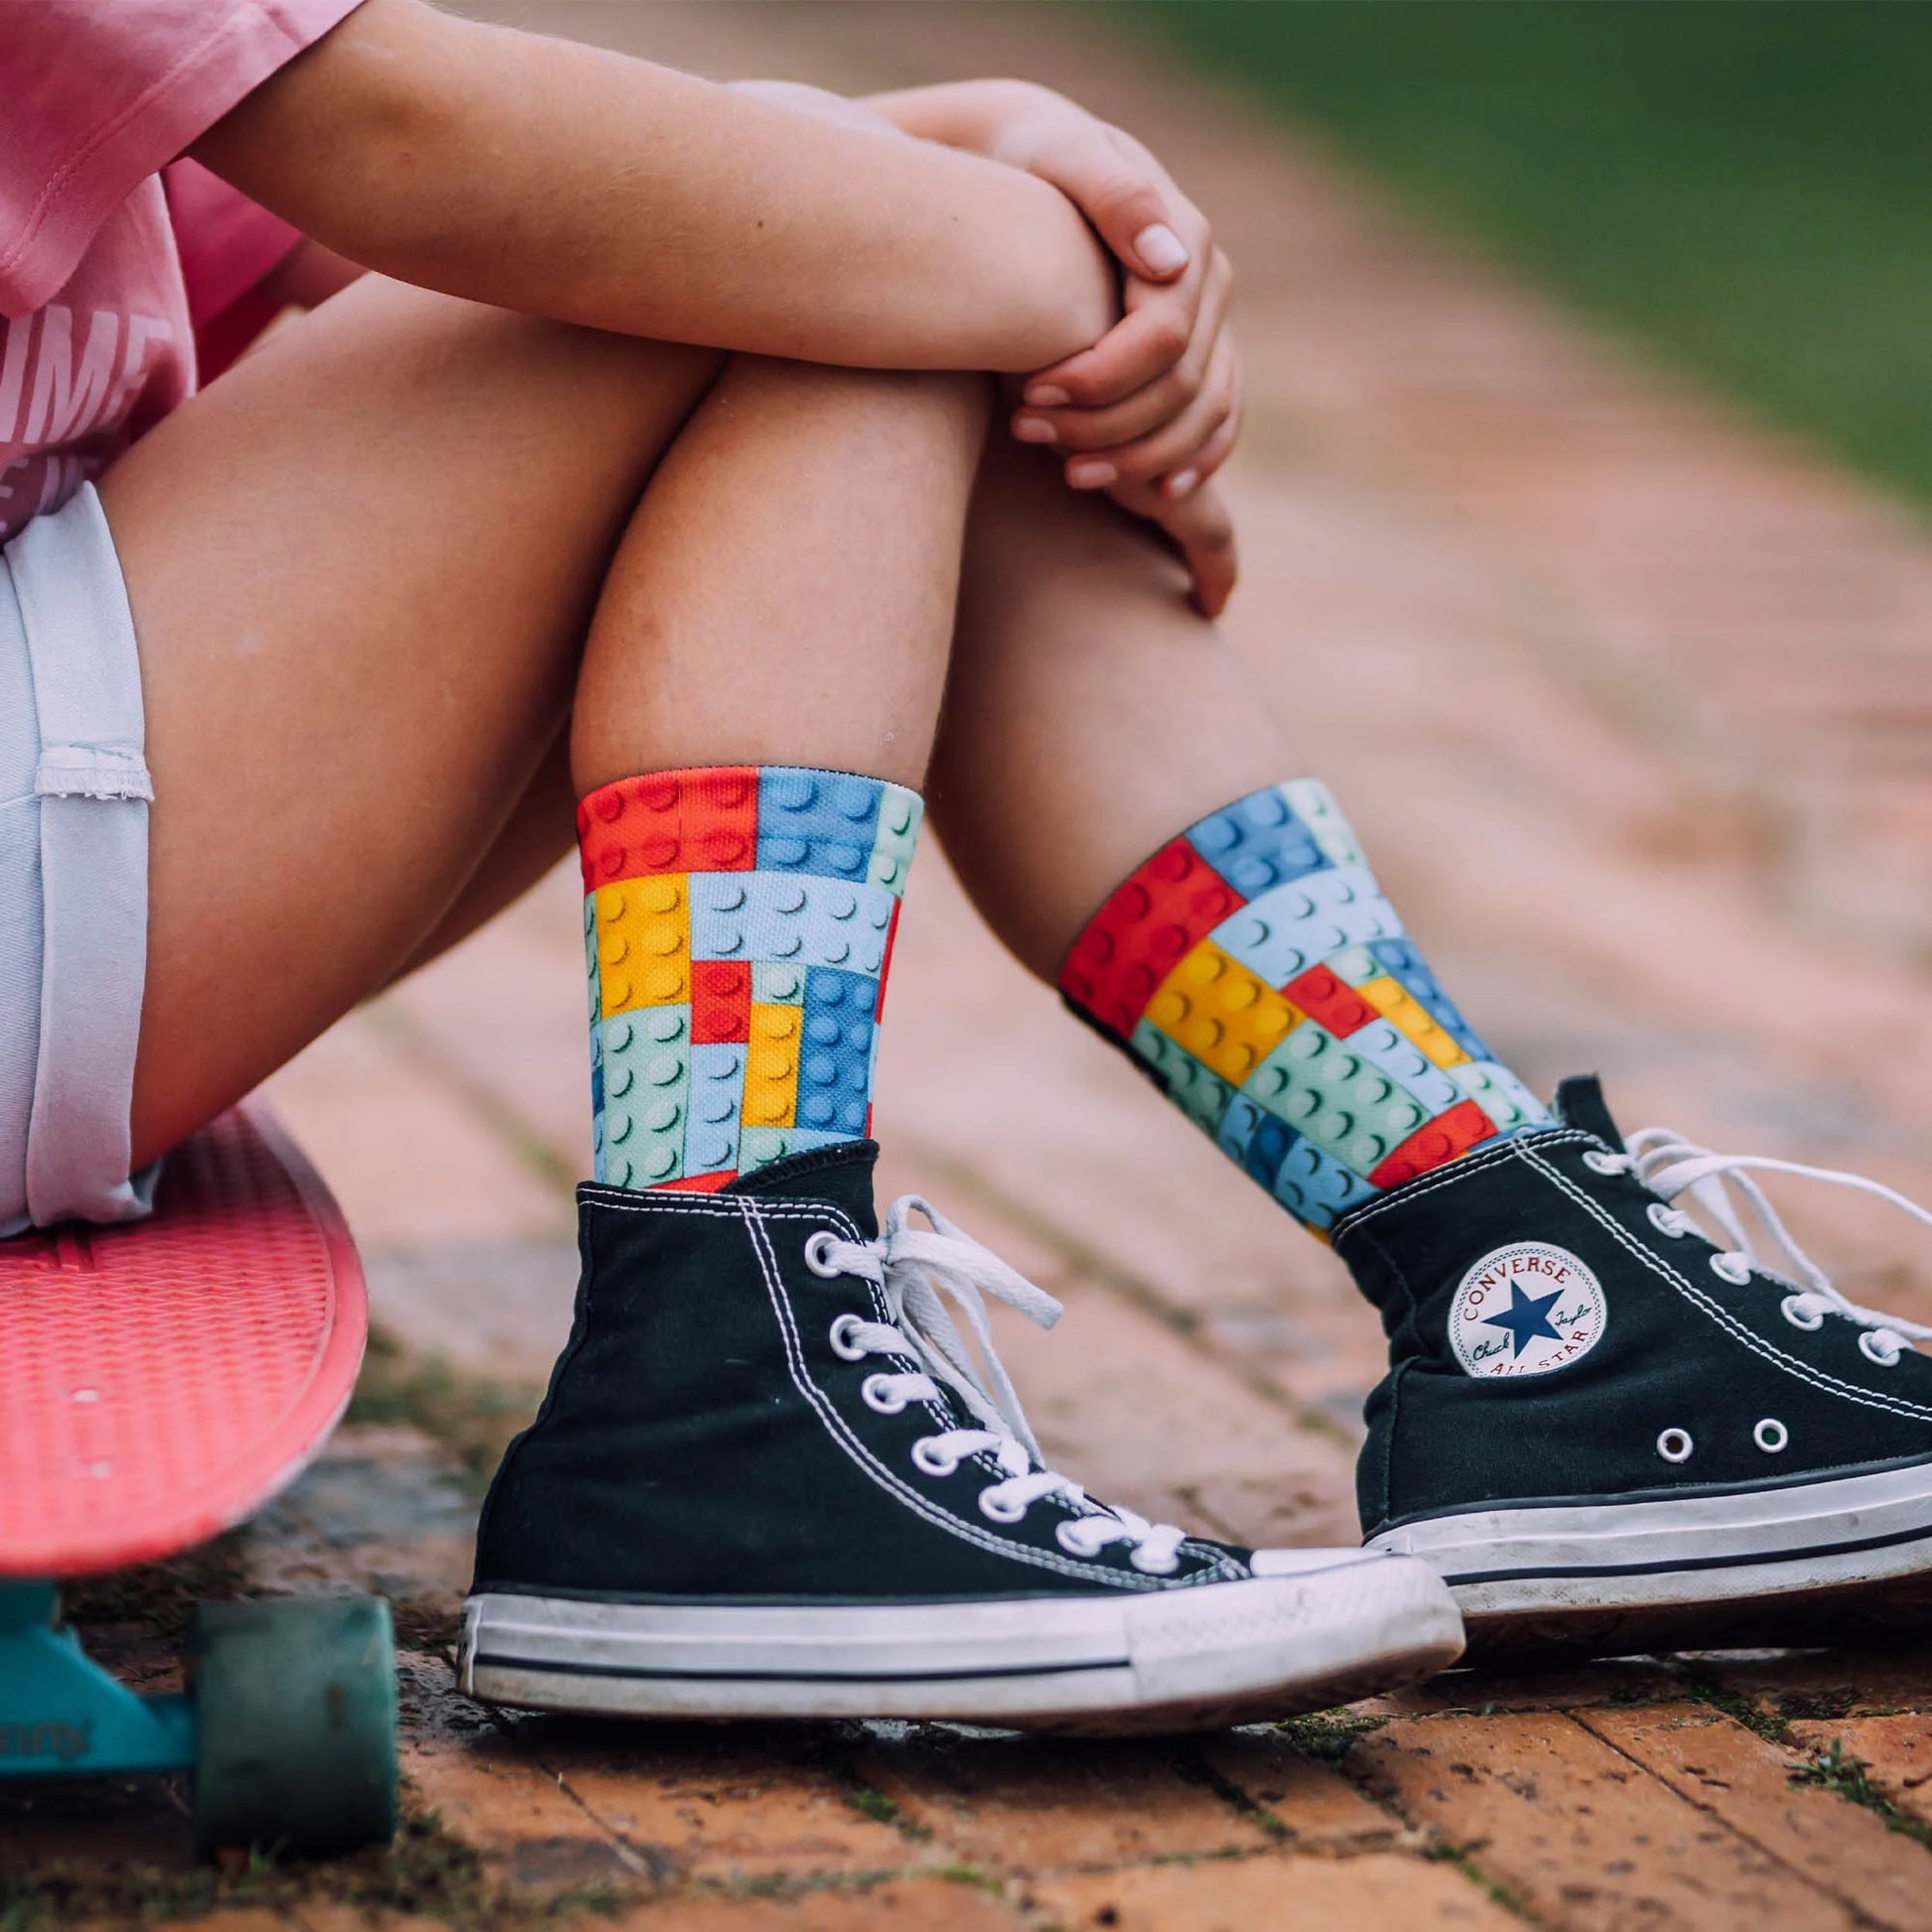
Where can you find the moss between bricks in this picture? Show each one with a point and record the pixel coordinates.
(1735, 1705)
(1326, 1736)
(1332, 1738)
(1833, 1770)
(1847, 1778)
(1463, 1858)
(425, 1871)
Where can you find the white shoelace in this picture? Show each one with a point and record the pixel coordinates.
(1669, 1166)
(915, 1269)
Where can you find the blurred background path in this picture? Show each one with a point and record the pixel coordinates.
(1627, 697)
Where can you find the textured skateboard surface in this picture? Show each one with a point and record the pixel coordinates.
(162, 1380)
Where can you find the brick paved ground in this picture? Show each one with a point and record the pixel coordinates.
(1618, 689)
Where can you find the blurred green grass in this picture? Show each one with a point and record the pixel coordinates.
(1747, 183)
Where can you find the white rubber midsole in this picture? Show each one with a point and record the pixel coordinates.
(1013, 1658)
(1689, 1549)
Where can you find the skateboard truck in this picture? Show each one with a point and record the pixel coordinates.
(61, 1711)
(288, 1724)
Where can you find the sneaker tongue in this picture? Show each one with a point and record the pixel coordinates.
(840, 1174)
(1579, 1103)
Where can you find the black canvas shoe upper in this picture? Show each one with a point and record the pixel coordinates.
(1559, 1331)
(725, 1424)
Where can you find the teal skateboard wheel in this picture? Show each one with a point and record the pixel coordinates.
(295, 1719)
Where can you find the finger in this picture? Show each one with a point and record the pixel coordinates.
(1219, 447)
(1149, 407)
(1202, 529)
(1175, 445)
(1201, 533)
(1142, 156)
(1127, 202)
(1141, 347)
(1143, 412)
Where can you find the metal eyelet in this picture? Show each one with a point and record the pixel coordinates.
(815, 1255)
(930, 1460)
(1664, 1220)
(1794, 1312)
(1771, 1436)
(1607, 1163)
(1730, 1268)
(1068, 1537)
(876, 1397)
(1000, 1509)
(840, 1338)
(1675, 1446)
(1882, 1346)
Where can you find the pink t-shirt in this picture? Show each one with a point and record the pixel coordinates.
(104, 273)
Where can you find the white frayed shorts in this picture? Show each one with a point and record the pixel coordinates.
(73, 874)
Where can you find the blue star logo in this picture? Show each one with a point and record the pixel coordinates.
(1527, 1317)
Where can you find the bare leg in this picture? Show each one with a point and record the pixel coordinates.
(787, 597)
(664, 682)
(541, 829)
(362, 568)
(1085, 696)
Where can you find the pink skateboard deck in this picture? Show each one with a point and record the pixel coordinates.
(159, 1381)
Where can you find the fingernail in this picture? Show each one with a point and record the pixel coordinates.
(1182, 482)
(1161, 249)
(1046, 395)
(1034, 429)
(1093, 473)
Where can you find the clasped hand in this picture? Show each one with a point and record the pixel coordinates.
(1151, 411)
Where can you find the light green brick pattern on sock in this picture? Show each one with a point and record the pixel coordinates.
(1355, 966)
(777, 984)
(647, 1095)
(590, 960)
(597, 1038)
(1342, 1102)
(758, 1147)
(1499, 1093)
(1316, 806)
(899, 812)
(1198, 1091)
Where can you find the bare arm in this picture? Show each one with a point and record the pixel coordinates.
(564, 181)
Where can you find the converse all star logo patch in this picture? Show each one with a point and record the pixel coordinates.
(1526, 1310)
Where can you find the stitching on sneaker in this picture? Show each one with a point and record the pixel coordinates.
(1455, 1173)
(900, 1491)
(1718, 1312)
(630, 1200)
(753, 1212)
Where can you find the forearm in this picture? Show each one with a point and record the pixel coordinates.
(543, 175)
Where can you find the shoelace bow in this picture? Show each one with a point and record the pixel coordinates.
(1671, 1166)
(916, 1270)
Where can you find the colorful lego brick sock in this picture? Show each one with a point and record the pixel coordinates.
(1254, 968)
(737, 923)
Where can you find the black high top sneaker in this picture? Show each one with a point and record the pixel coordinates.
(1608, 1431)
(768, 1481)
